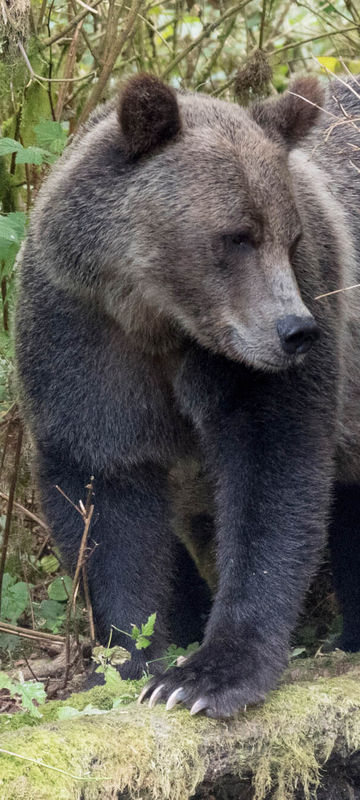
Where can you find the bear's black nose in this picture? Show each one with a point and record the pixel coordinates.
(297, 334)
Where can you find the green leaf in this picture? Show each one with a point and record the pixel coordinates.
(8, 146)
(50, 135)
(68, 712)
(142, 642)
(297, 651)
(30, 155)
(14, 599)
(60, 589)
(113, 678)
(148, 628)
(5, 681)
(49, 564)
(28, 691)
(53, 614)
(135, 632)
(12, 227)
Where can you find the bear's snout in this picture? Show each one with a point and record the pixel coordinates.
(297, 334)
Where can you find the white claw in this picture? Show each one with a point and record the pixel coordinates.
(200, 704)
(143, 693)
(176, 697)
(155, 695)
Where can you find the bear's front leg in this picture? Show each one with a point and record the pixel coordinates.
(269, 444)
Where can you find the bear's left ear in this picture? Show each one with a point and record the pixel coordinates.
(288, 118)
(149, 115)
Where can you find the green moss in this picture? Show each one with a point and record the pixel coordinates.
(156, 755)
(100, 697)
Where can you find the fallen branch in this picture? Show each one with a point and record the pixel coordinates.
(27, 513)
(28, 633)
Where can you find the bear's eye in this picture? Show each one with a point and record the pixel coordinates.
(239, 239)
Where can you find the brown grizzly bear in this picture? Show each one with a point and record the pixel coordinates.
(168, 311)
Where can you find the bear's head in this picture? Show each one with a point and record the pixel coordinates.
(216, 223)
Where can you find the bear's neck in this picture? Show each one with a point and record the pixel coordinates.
(145, 326)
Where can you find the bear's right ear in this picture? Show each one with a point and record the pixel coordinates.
(149, 115)
(291, 115)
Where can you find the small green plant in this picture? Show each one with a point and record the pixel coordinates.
(174, 652)
(49, 614)
(14, 598)
(28, 693)
(142, 638)
(50, 140)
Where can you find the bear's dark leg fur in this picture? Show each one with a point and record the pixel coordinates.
(344, 543)
(130, 566)
(191, 600)
(271, 457)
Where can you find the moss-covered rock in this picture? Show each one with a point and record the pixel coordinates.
(279, 749)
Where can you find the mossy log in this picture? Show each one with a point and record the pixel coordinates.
(304, 740)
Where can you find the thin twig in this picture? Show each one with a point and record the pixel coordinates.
(68, 499)
(207, 30)
(262, 25)
(30, 669)
(111, 56)
(337, 291)
(26, 511)
(207, 71)
(41, 14)
(312, 39)
(10, 505)
(68, 72)
(48, 766)
(87, 517)
(3, 456)
(88, 605)
(72, 24)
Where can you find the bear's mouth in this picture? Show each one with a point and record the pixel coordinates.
(236, 347)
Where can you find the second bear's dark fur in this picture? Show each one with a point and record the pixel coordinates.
(162, 253)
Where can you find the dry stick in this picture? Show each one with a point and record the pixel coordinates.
(10, 505)
(112, 20)
(69, 71)
(83, 32)
(90, 494)
(8, 425)
(41, 14)
(111, 56)
(30, 668)
(312, 39)
(26, 511)
(208, 29)
(337, 291)
(207, 71)
(64, 31)
(88, 606)
(262, 25)
(289, 46)
(27, 633)
(71, 604)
